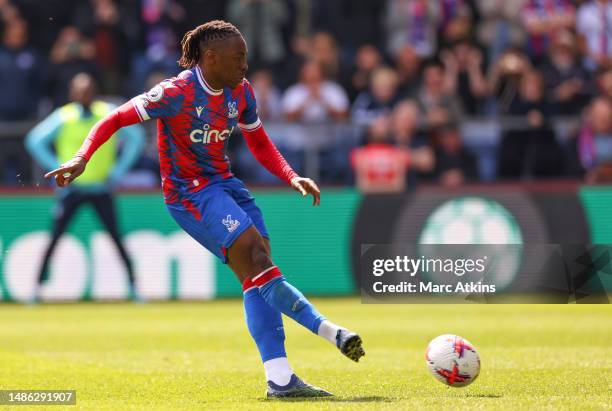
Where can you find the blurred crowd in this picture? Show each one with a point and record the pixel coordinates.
(406, 74)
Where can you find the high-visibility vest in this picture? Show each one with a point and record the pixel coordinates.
(72, 134)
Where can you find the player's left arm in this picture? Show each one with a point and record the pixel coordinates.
(266, 152)
(268, 155)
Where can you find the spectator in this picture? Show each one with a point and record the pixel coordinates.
(594, 143)
(321, 48)
(380, 166)
(543, 20)
(21, 71)
(261, 23)
(505, 76)
(379, 100)
(8, 12)
(454, 164)
(324, 50)
(604, 83)
(267, 95)
(500, 26)
(45, 19)
(71, 54)
(466, 77)
(367, 59)
(530, 149)
(593, 24)
(404, 123)
(455, 21)
(290, 69)
(435, 99)
(412, 22)
(101, 21)
(314, 99)
(567, 83)
(160, 22)
(408, 67)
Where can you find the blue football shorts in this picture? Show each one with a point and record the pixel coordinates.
(226, 208)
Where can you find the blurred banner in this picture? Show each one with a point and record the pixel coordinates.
(318, 249)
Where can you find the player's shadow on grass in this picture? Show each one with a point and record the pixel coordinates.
(372, 398)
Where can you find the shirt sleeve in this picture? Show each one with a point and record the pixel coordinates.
(249, 120)
(268, 155)
(163, 100)
(122, 116)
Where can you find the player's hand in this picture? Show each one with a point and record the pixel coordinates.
(68, 171)
(306, 186)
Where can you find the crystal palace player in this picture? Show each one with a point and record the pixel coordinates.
(196, 113)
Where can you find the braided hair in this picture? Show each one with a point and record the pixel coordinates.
(199, 39)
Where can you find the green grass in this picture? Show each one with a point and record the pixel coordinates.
(199, 356)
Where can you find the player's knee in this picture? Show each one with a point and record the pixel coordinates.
(260, 257)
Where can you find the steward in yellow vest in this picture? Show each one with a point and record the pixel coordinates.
(56, 139)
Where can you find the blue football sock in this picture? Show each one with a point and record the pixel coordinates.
(290, 301)
(265, 325)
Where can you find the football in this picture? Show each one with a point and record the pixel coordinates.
(452, 360)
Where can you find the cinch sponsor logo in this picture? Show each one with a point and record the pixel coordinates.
(206, 136)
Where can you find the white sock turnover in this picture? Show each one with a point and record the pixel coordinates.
(278, 371)
(328, 330)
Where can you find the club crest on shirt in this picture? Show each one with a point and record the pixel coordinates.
(232, 109)
(155, 94)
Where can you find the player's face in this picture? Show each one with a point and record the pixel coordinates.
(232, 63)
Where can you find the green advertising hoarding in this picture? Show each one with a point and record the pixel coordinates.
(309, 244)
(315, 247)
(597, 203)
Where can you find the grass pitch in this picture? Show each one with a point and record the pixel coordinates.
(199, 356)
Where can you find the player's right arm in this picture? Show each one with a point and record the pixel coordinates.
(163, 100)
(122, 116)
